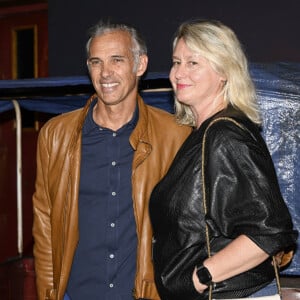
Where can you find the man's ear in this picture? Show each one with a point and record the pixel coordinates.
(142, 65)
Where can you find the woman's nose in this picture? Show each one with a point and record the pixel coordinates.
(179, 71)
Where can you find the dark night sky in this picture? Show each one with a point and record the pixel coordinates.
(269, 30)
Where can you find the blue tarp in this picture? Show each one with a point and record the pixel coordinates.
(64, 100)
(278, 89)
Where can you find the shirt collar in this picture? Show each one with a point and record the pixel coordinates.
(90, 124)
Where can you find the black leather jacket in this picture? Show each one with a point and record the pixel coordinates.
(243, 197)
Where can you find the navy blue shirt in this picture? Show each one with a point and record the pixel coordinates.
(105, 260)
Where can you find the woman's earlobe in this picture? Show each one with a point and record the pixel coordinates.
(223, 81)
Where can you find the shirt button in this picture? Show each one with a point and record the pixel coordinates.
(113, 163)
(111, 256)
(111, 285)
(114, 193)
(114, 134)
(112, 224)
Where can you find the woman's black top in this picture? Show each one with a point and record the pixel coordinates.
(243, 198)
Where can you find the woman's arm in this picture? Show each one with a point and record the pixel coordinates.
(237, 257)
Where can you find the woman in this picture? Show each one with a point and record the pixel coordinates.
(221, 231)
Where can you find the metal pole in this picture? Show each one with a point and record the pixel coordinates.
(19, 176)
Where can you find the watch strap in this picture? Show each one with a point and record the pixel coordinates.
(204, 275)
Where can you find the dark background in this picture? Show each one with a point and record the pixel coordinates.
(268, 30)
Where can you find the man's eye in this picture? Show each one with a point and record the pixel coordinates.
(175, 63)
(118, 59)
(95, 62)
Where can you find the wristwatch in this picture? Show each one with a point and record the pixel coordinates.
(203, 275)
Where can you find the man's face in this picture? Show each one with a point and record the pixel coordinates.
(112, 68)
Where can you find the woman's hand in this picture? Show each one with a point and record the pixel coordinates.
(197, 284)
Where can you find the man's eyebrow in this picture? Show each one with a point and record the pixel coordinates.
(118, 56)
(94, 58)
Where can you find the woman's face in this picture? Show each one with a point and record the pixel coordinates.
(194, 81)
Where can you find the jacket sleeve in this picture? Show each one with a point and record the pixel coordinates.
(41, 224)
(242, 189)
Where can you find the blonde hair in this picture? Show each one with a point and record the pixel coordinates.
(219, 45)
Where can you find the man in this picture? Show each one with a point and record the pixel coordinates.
(96, 168)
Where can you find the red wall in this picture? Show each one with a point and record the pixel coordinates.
(8, 183)
(8, 186)
(11, 18)
(19, 16)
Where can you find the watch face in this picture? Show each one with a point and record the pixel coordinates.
(204, 275)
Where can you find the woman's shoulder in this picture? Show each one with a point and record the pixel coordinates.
(231, 119)
(231, 128)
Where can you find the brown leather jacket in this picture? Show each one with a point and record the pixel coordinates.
(155, 140)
